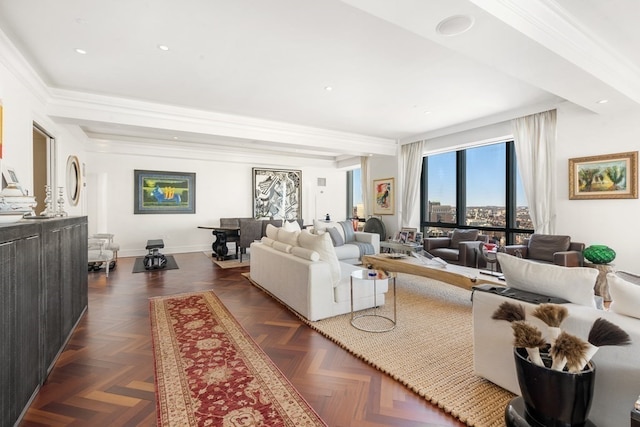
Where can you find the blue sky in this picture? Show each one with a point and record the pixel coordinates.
(485, 178)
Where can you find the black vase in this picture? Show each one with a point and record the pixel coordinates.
(554, 398)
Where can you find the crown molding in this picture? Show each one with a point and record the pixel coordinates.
(17, 65)
(546, 22)
(69, 106)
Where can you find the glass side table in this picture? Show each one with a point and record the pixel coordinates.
(372, 319)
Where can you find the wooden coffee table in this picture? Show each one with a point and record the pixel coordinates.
(463, 277)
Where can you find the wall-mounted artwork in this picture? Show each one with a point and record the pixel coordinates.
(384, 192)
(158, 192)
(610, 176)
(277, 193)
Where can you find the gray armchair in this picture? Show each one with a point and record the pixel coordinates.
(550, 249)
(459, 248)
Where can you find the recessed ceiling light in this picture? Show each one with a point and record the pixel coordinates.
(328, 88)
(603, 101)
(163, 47)
(426, 113)
(81, 51)
(455, 25)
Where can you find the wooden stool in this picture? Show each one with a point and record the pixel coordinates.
(154, 259)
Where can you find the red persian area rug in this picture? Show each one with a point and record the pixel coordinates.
(210, 372)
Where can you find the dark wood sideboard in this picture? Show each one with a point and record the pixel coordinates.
(43, 294)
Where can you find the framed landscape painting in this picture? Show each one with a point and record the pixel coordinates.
(157, 192)
(384, 193)
(277, 194)
(609, 176)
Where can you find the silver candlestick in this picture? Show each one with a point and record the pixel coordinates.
(60, 211)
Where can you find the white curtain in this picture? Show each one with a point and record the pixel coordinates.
(365, 182)
(411, 168)
(535, 141)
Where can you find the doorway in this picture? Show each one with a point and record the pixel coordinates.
(43, 166)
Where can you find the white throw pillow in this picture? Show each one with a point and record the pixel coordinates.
(307, 254)
(267, 241)
(625, 296)
(575, 284)
(271, 231)
(291, 226)
(282, 247)
(288, 237)
(323, 245)
(320, 227)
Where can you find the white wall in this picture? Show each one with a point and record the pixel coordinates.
(21, 109)
(611, 222)
(223, 189)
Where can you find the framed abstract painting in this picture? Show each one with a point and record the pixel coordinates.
(384, 191)
(277, 193)
(157, 192)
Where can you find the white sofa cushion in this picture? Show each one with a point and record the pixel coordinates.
(322, 244)
(321, 227)
(271, 231)
(575, 284)
(625, 296)
(305, 253)
(288, 237)
(291, 226)
(282, 247)
(267, 241)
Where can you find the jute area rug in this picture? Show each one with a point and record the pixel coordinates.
(210, 372)
(230, 263)
(430, 350)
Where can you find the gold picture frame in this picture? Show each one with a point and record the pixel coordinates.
(609, 176)
(384, 191)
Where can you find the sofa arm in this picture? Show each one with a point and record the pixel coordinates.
(468, 253)
(435, 242)
(568, 259)
(373, 238)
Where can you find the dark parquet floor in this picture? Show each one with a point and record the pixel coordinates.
(104, 377)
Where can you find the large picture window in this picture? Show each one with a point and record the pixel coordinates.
(475, 188)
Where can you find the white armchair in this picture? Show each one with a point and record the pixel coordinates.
(102, 251)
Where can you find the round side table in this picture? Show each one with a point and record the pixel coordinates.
(372, 320)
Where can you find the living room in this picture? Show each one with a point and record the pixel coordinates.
(82, 124)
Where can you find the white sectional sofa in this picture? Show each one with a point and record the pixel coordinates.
(349, 245)
(302, 270)
(617, 383)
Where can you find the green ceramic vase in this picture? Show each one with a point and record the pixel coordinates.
(599, 254)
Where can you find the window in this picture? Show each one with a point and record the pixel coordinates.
(355, 206)
(475, 188)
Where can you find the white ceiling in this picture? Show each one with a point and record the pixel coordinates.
(252, 73)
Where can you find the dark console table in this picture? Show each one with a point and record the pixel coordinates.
(43, 295)
(223, 235)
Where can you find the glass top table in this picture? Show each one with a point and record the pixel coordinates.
(373, 319)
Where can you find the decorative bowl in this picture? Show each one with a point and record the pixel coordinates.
(599, 254)
(9, 217)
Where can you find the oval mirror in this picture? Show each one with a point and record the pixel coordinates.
(74, 180)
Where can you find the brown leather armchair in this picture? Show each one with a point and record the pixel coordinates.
(550, 249)
(459, 248)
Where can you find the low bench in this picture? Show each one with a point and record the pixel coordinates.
(154, 259)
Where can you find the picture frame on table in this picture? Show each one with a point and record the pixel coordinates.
(403, 236)
(161, 192)
(419, 238)
(10, 177)
(411, 233)
(609, 176)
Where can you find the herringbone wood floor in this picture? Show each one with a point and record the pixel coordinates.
(105, 375)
